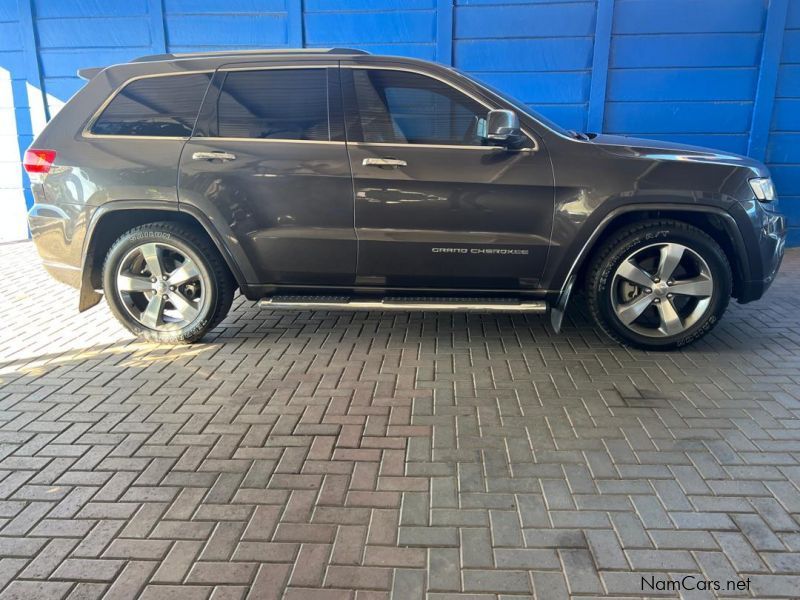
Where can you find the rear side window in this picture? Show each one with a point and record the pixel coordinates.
(155, 106)
(286, 104)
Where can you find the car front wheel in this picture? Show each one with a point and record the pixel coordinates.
(659, 285)
(167, 284)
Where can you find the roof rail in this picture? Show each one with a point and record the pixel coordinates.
(211, 54)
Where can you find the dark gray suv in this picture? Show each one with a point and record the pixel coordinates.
(333, 179)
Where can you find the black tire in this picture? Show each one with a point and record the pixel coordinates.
(640, 237)
(215, 278)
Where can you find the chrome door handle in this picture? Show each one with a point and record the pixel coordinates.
(384, 162)
(213, 156)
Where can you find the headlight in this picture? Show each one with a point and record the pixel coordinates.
(763, 188)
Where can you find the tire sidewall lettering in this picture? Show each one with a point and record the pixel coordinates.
(617, 249)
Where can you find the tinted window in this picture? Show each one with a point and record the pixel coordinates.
(287, 104)
(156, 106)
(403, 107)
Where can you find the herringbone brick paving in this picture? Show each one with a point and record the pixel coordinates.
(367, 455)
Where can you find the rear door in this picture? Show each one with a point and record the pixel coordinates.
(268, 163)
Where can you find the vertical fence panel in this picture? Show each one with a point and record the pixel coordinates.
(294, 17)
(158, 41)
(444, 31)
(602, 49)
(36, 96)
(767, 78)
(783, 148)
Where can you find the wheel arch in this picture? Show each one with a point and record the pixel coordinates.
(716, 222)
(110, 221)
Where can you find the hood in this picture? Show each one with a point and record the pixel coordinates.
(672, 151)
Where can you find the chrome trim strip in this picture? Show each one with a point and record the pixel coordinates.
(115, 136)
(440, 146)
(538, 306)
(200, 139)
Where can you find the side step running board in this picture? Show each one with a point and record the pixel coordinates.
(482, 305)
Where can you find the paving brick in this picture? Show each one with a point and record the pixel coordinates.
(348, 546)
(476, 547)
(549, 586)
(505, 528)
(174, 592)
(385, 556)
(739, 551)
(310, 565)
(444, 573)
(660, 560)
(580, 572)
(683, 540)
(179, 560)
(137, 549)
(526, 558)
(221, 573)
(408, 583)
(270, 581)
(758, 533)
(88, 569)
(606, 550)
(131, 580)
(477, 580)
(375, 578)
(428, 536)
(36, 590)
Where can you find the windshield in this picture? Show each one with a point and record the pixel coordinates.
(523, 108)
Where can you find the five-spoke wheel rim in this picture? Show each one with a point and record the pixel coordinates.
(662, 290)
(162, 287)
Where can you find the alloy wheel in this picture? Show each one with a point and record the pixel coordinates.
(662, 290)
(162, 287)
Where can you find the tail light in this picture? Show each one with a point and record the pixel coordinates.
(38, 161)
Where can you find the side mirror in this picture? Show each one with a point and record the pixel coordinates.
(502, 127)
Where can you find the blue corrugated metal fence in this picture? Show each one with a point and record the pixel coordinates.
(719, 73)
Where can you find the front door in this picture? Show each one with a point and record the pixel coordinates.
(434, 206)
(268, 163)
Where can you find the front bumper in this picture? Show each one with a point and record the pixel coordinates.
(767, 256)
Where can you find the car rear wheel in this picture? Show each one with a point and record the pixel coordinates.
(167, 284)
(659, 285)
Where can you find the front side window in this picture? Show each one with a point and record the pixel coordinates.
(155, 106)
(408, 108)
(285, 104)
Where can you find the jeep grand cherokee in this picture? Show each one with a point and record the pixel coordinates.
(334, 179)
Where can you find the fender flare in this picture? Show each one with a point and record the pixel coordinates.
(89, 297)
